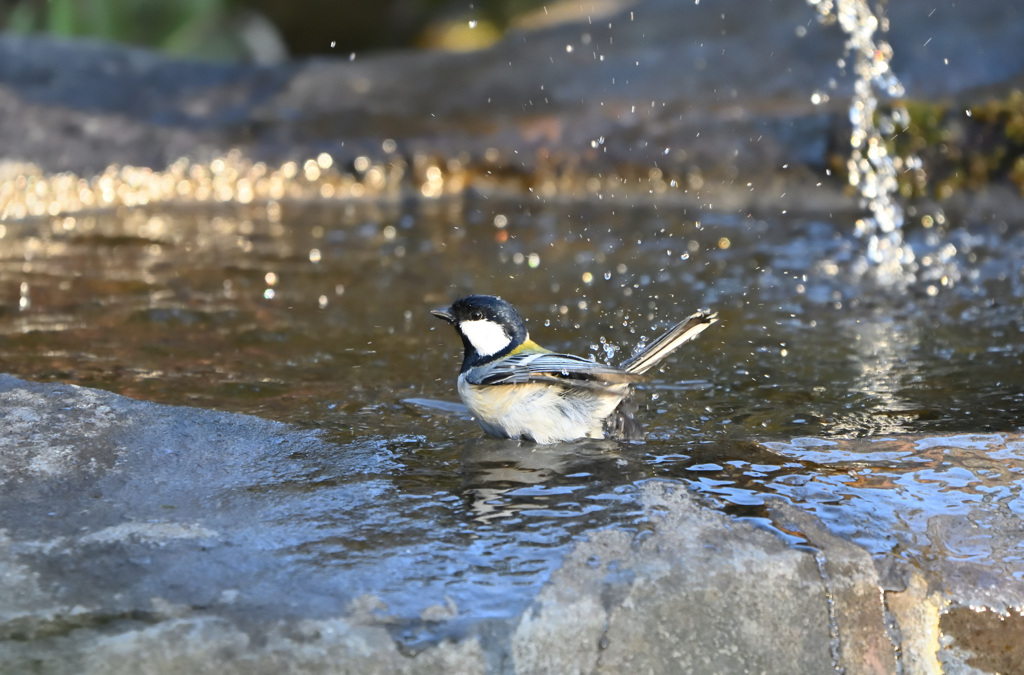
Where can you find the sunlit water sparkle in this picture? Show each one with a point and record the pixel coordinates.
(870, 167)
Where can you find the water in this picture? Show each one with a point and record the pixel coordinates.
(174, 306)
(871, 170)
(230, 308)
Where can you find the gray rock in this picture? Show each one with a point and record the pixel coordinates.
(725, 86)
(695, 594)
(136, 538)
(142, 538)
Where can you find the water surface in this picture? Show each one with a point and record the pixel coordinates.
(318, 314)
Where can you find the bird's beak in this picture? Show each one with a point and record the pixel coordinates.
(445, 314)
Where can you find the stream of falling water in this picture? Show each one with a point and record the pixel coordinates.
(872, 170)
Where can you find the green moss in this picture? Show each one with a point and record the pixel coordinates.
(198, 28)
(962, 148)
(926, 126)
(211, 29)
(1005, 114)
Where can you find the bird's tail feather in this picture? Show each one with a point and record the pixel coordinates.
(672, 339)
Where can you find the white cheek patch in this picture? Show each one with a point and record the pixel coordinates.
(487, 337)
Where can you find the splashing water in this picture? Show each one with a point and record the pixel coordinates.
(609, 350)
(870, 167)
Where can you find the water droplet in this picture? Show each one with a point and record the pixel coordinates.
(870, 169)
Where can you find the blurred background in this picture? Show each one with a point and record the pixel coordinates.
(265, 31)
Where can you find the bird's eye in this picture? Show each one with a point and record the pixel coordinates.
(476, 315)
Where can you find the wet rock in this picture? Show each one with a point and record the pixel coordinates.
(722, 87)
(917, 612)
(140, 537)
(955, 609)
(137, 537)
(694, 594)
(852, 584)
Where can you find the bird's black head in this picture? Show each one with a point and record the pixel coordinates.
(489, 327)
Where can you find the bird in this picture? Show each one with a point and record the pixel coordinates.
(516, 389)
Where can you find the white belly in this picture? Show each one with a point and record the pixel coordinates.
(539, 412)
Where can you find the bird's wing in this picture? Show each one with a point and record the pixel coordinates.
(548, 368)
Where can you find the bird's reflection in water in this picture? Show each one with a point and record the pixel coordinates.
(504, 478)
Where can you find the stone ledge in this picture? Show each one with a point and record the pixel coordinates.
(91, 582)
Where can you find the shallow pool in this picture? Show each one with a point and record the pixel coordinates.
(818, 386)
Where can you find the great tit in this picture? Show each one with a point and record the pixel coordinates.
(517, 389)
